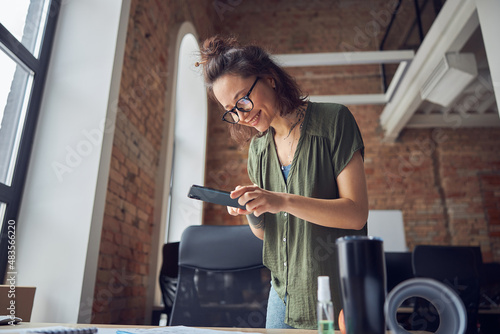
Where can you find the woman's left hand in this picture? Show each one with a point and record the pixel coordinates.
(258, 200)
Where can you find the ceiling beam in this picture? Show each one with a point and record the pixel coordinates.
(453, 120)
(489, 11)
(344, 58)
(403, 57)
(350, 99)
(486, 104)
(396, 80)
(456, 18)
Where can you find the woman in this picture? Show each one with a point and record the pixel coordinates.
(306, 163)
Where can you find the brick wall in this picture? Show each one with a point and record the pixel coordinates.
(490, 188)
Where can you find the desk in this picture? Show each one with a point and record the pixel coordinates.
(26, 325)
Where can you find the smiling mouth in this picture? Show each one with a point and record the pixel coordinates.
(254, 119)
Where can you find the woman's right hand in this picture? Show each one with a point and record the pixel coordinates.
(237, 211)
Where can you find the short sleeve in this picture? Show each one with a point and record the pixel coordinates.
(252, 165)
(346, 140)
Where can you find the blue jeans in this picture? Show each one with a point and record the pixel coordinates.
(276, 309)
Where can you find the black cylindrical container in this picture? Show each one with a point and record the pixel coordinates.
(362, 279)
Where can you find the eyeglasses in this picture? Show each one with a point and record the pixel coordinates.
(244, 105)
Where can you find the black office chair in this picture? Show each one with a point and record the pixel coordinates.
(168, 276)
(459, 268)
(222, 281)
(490, 298)
(398, 267)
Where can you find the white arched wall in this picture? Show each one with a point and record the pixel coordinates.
(187, 115)
(189, 146)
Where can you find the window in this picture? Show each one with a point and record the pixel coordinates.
(26, 33)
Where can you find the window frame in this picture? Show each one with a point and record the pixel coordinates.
(12, 195)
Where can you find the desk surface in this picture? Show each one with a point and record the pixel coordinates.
(26, 325)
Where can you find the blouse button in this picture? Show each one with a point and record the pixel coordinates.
(284, 264)
(284, 239)
(285, 214)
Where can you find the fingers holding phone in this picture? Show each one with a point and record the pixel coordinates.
(258, 200)
(236, 211)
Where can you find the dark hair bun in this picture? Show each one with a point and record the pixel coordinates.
(216, 46)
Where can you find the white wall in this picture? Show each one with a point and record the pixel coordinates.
(488, 12)
(189, 140)
(61, 215)
(388, 225)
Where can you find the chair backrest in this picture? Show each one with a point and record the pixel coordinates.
(168, 275)
(458, 267)
(490, 285)
(398, 267)
(222, 281)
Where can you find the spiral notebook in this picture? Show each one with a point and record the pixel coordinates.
(64, 330)
(49, 330)
(117, 330)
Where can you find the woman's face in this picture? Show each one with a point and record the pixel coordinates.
(228, 89)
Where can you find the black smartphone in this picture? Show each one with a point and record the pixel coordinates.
(213, 196)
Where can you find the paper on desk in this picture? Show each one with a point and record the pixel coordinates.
(167, 330)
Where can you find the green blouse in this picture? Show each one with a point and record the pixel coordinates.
(297, 251)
